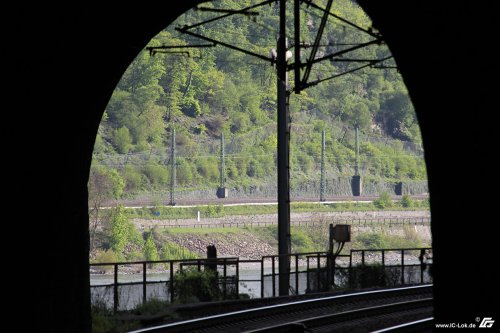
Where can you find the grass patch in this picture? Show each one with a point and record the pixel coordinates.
(212, 211)
(382, 240)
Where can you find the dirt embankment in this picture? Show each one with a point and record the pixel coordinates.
(244, 245)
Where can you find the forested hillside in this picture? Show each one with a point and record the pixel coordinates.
(215, 90)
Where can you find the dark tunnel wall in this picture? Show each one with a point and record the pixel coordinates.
(78, 52)
(443, 52)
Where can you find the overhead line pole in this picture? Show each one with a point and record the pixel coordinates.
(283, 158)
(296, 18)
(322, 180)
(222, 162)
(173, 173)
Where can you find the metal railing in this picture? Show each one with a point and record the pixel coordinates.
(393, 268)
(124, 285)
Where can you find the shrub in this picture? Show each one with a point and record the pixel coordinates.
(371, 240)
(122, 140)
(172, 251)
(108, 256)
(119, 229)
(150, 250)
(152, 307)
(132, 178)
(384, 201)
(301, 242)
(157, 174)
(215, 210)
(191, 285)
(406, 201)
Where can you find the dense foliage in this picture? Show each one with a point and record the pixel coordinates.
(216, 90)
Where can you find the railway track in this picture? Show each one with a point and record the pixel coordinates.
(356, 312)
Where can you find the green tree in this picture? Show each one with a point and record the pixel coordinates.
(122, 140)
(150, 250)
(119, 229)
(397, 115)
(157, 174)
(358, 115)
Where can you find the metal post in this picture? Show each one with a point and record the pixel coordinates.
(262, 277)
(296, 274)
(283, 159)
(144, 281)
(171, 282)
(322, 180)
(221, 191)
(403, 267)
(356, 165)
(222, 163)
(173, 175)
(115, 289)
(296, 17)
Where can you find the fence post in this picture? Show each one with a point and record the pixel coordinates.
(224, 292)
(308, 284)
(319, 270)
(262, 277)
(296, 274)
(274, 277)
(402, 267)
(422, 265)
(238, 277)
(144, 282)
(171, 281)
(115, 289)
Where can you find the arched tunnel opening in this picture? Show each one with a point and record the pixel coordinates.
(429, 49)
(190, 117)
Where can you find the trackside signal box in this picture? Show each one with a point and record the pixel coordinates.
(340, 233)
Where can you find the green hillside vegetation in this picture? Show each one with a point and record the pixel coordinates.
(216, 90)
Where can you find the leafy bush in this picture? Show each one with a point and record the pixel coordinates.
(132, 178)
(406, 201)
(374, 240)
(191, 286)
(157, 174)
(371, 240)
(122, 140)
(384, 201)
(150, 250)
(215, 210)
(301, 242)
(172, 251)
(119, 229)
(107, 256)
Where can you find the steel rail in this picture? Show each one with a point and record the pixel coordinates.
(415, 326)
(367, 312)
(194, 324)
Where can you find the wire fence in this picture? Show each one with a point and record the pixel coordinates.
(301, 223)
